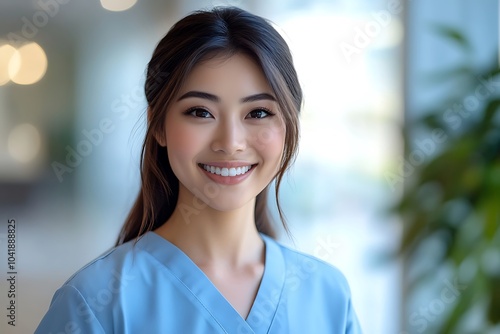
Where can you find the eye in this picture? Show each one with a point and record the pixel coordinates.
(259, 113)
(199, 112)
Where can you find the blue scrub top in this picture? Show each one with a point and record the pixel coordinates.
(153, 287)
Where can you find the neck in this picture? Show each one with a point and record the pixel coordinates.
(211, 237)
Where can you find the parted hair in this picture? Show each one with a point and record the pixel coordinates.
(195, 38)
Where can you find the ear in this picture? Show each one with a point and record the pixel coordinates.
(160, 138)
(158, 135)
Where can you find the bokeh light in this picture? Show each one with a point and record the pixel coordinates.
(117, 5)
(28, 64)
(6, 53)
(24, 143)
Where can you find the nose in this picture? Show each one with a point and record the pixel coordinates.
(229, 138)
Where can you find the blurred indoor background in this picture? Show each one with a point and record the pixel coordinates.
(400, 147)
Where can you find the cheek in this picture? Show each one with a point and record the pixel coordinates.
(182, 143)
(270, 142)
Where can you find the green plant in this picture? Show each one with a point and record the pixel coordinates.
(451, 201)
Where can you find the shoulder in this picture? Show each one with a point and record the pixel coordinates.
(311, 269)
(111, 270)
(85, 302)
(315, 289)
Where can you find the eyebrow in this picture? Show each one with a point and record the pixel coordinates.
(215, 98)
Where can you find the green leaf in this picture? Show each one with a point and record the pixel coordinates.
(494, 301)
(492, 217)
(465, 168)
(464, 303)
(452, 34)
(490, 111)
(433, 120)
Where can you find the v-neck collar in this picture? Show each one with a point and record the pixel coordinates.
(266, 302)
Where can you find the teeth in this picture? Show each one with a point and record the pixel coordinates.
(227, 171)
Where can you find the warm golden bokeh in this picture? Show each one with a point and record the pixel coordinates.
(24, 143)
(28, 64)
(117, 5)
(7, 51)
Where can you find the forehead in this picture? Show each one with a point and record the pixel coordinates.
(236, 74)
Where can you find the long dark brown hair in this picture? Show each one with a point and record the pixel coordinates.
(195, 38)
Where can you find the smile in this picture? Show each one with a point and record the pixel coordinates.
(224, 171)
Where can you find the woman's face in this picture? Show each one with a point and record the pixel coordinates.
(224, 133)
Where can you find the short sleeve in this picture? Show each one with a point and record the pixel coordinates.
(69, 313)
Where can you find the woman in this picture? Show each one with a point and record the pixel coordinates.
(197, 254)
